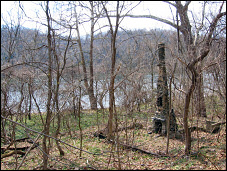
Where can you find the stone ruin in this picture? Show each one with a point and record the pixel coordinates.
(159, 121)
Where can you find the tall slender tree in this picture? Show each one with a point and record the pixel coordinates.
(88, 78)
(49, 96)
(113, 32)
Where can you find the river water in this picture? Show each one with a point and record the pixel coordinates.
(65, 99)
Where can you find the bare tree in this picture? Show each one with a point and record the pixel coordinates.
(94, 16)
(194, 56)
(49, 112)
(113, 32)
(59, 70)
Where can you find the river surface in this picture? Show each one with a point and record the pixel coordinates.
(65, 99)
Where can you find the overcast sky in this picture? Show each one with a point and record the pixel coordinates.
(157, 8)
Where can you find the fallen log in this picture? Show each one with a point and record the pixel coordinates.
(11, 153)
(125, 146)
(18, 148)
(22, 139)
(134, 148)
(3, 149)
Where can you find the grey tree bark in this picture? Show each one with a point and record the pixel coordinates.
(49, 112)
(113, 33)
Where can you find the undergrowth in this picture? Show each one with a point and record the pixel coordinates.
(208, 150)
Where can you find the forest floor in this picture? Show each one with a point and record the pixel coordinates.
(208, 152)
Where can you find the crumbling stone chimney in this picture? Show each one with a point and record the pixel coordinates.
(159, 122)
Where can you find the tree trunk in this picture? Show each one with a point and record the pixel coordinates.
(48, 115)
(58, 115)
(113, 62)
(58, 76)
(79, 124)
(111, 91)
(92, 98)
(185, 120)
(199, 100)
(89, 87)
(30, 97)
(186, 109)
(111, 100)
(100, 101)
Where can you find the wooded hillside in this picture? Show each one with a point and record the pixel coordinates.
(70, 101)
